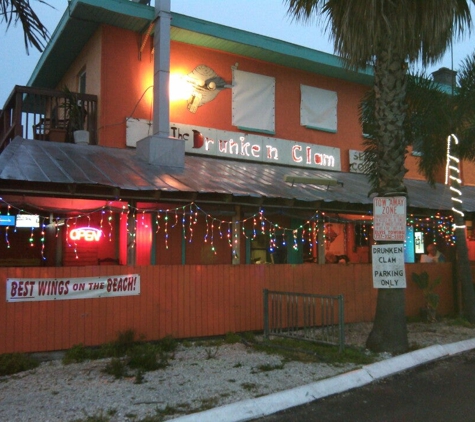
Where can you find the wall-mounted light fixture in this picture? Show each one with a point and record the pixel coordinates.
(199, 87)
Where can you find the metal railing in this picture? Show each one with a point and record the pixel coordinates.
(45, 114)
(309, 317)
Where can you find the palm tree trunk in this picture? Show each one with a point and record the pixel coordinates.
(464, 272)
(389, 333)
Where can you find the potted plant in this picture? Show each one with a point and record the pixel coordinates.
(75, 114)
(431, 298)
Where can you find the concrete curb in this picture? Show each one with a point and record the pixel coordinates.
(247, 410)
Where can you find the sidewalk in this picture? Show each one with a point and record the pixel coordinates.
(256, 408)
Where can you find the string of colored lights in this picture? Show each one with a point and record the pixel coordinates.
(433, 227)
(250, 227)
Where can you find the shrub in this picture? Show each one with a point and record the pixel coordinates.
(139, 378)
(77, 353)
(232, 338)
(12, 363)
(126, 352)
(168, 344)
(147, 357)
(125, 341)
(431, 298)
(117, 368)
(249, 337)
(268, 367)
(211, 352)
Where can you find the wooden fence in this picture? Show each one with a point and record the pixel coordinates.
(188, 301)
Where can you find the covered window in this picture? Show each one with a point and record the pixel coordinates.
(318, 108)
(253, 102)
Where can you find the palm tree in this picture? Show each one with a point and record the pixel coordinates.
(432, 114)
(388, 35)
(35, 33)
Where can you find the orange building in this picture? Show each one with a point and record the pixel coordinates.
(251, 155)
(279, 119)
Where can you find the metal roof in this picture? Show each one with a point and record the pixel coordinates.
(83, 17)
(45, 168)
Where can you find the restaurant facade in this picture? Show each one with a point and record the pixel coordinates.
(171, 220)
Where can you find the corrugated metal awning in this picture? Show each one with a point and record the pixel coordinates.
(86, 171)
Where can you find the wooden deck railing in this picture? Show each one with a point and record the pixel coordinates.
(44, 114)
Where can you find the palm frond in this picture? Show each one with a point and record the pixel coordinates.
(35, 33)
(421, 30)
(465, 108)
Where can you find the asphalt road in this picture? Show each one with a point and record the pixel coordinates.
(441, 391)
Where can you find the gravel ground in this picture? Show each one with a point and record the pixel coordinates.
(192, 382)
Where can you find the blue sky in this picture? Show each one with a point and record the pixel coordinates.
(266, 17)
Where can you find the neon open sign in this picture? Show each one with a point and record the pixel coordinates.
(89, 234)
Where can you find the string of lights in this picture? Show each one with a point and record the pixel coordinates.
(188, 216)
(452, 175)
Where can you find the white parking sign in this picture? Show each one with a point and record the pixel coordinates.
(388, 266)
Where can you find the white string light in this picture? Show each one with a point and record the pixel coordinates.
(449, 177)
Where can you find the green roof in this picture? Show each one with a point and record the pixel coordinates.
(82, 18)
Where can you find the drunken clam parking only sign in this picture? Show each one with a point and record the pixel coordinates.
(389, 218)
(388, 266)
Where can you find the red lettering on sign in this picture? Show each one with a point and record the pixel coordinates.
(126, 284)
(89, 234)
(53, 287)
(22, 289)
